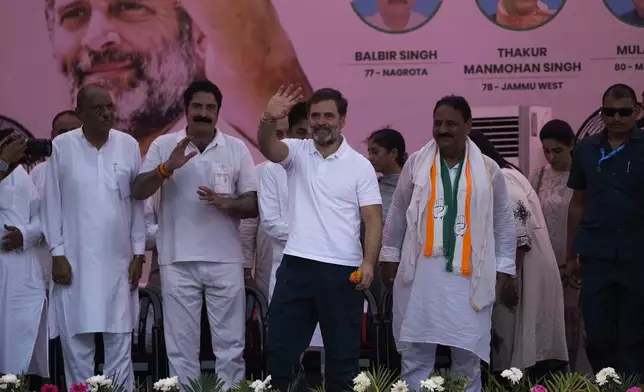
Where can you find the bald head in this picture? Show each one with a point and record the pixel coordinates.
(95, 108)
(86, 94)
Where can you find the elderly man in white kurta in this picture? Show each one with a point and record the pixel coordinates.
(207, 184)
(96, 234)
(23, 329)
(450, 231)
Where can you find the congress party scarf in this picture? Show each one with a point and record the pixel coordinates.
(448, 215)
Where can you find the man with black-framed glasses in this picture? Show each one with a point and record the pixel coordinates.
(605, 233)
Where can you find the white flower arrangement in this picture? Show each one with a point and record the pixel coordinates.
(11, 382)
(170, 384)
(361, 382)
(433, 384)
(607, 375)
(513, 374)
(98, 381)
(9, 379)
(400, 386)
(262, 386)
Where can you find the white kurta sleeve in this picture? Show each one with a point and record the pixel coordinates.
(521, 214)
(272, 207)
(396, 221)
(248, 235)
(32, 231)
(137, 229)
(504, 227)
(52, 205)
(151, 225)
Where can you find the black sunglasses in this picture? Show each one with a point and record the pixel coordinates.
(623, 112)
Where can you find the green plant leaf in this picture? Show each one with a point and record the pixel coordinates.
(207, 382)
(381, 379)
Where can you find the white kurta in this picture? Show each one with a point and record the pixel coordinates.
(38, 174)
(536, 330)
(435, 307)
(257, 246)
(23, 332)
(273, 211)
(90, 218)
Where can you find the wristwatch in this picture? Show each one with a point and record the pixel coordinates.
(4, 166)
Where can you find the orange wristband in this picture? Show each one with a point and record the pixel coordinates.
(164, 173)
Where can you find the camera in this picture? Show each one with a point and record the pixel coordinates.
(37, 149)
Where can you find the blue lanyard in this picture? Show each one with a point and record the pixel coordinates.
(610, 155)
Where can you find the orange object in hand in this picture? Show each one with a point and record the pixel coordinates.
(356, 276)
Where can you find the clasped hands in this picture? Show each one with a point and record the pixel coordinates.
(13, 240)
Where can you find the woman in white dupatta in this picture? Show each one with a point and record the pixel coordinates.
(531, 335)
(448, 260)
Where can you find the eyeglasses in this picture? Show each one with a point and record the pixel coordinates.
(623, 112)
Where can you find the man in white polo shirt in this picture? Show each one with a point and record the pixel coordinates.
(207, 184)
(330, 187)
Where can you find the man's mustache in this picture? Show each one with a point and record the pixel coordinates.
(202, 119)
(84, 64)
(315, 128)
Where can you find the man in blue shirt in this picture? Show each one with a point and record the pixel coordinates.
(605, 234)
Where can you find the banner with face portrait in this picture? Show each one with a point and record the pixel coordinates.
(392, 59)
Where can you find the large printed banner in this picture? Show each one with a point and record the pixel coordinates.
(391, 58)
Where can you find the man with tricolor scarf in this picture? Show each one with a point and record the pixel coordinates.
(449, 247)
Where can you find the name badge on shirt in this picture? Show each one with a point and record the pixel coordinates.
(222, 182)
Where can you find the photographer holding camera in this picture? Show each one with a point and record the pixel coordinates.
(22, 287)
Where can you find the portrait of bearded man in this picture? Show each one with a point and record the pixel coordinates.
(146, 52)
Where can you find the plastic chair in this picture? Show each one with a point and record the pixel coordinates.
(370, 344)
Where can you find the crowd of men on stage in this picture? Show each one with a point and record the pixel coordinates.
(442, 236)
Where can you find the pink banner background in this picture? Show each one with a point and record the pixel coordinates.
(326, 34)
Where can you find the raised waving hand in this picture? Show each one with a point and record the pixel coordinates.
(282, 102)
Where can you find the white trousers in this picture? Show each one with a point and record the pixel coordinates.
(182, 287)
(78, 357)
(418, 360)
